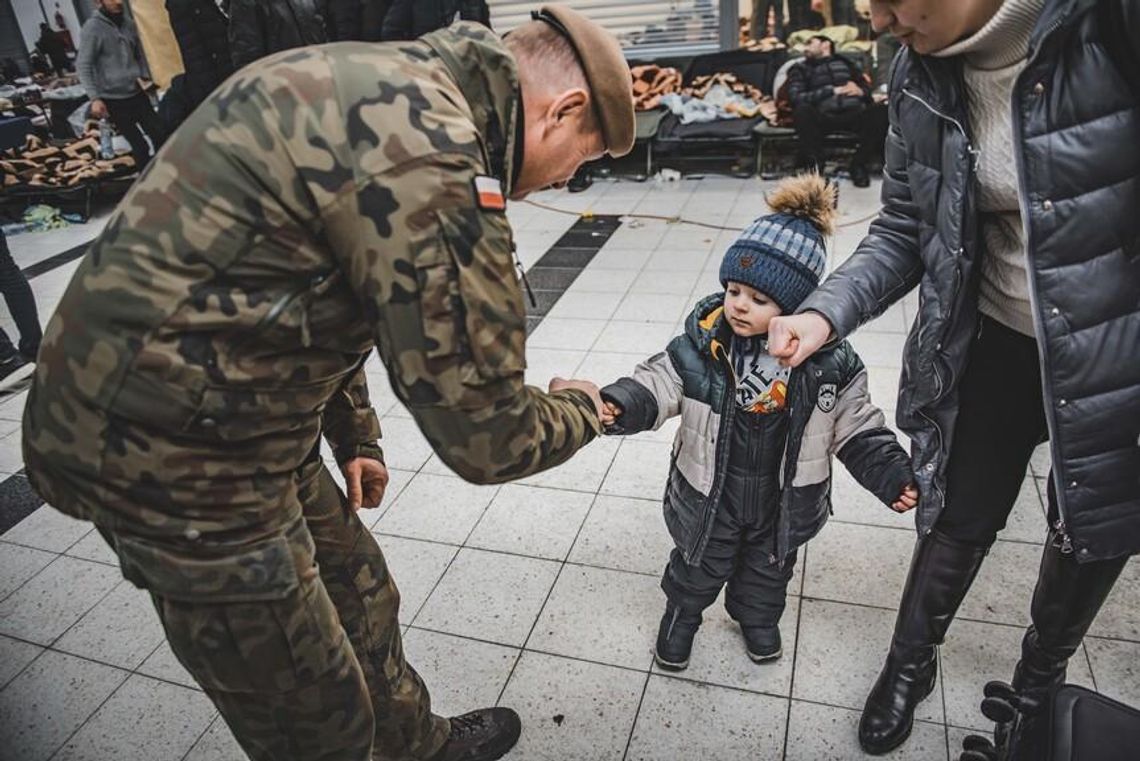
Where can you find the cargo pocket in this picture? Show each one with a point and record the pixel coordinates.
(242, 620)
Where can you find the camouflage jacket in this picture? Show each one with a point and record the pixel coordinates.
(320, 203)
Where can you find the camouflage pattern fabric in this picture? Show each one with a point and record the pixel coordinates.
(315, 669)
(320, 203)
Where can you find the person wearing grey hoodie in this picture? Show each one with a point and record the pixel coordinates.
(111, 64)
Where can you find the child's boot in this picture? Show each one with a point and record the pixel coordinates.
(763, 642)
(675, 638)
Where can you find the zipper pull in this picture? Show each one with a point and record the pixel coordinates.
(522, 277)
(1066, 542)
(975, 158)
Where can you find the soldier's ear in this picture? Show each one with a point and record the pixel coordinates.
(570, 107)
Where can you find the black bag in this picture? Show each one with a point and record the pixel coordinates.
(1087, 726)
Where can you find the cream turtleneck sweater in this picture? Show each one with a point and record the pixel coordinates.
(993, 58)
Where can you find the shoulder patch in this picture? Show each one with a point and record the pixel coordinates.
(489, 194)
(828, 396)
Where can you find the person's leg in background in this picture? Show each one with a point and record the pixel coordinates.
(364, 594)
(759, 25)
(125, 116)
(151, 122)
(810, 127)
(999, 424)
(872, 130)
(22, 304)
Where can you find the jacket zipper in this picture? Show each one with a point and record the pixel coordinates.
(975, 156)
(1038, 323)
(726, 418)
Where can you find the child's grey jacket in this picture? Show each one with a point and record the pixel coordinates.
(830, 413)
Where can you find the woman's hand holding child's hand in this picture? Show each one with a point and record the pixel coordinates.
(610, 413)
(907, 499)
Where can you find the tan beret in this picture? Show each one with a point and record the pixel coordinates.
(607, 73)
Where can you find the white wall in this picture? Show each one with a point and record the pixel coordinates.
(29, 17)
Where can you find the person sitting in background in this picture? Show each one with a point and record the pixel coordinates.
(261, 27)
(111, 69)
(828, 93)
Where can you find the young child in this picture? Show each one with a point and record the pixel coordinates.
(750, 478)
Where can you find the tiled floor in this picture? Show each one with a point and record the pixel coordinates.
(543, 595)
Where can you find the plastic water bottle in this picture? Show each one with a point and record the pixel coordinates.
(105, 146)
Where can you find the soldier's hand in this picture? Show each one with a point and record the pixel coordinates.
(794, 338)
(366, 479)
(558, 384)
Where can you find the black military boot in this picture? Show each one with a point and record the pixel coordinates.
(763, 642)
(1065, 602)
(483, 735)
(675, 638)
(941, 572)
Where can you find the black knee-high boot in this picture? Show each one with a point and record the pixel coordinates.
(941, 572)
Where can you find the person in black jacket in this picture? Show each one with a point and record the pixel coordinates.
(828, 93)
(260, 27)
(200, 28)
(52, 45)
(411, 19)
(1010, 193)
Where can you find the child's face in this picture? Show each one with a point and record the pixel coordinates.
(748, 310)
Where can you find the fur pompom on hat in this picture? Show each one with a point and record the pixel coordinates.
(784, 253)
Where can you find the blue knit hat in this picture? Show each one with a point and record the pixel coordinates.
(784, 254)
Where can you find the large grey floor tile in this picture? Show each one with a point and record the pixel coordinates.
(719, 655)
(405, 447)
(582, 472)
(883, 384)
(600, 280)
(58, 596)
(437, 508)
(845, 556)
(122, 630)
(603, 367)
(53, 696)
(572, 710)
(640, 470)
(94, 547)
(681, 719)
(975, 653)
(490, 596)
(218, 744)
(544, 364)
(1027, 522)
(635, 337)
(1004, 586)
(879, 349)
(826, 733)
(602, 616)
(398, 480)
(840, 652)
(47, 529)
(416, 567)
(666, 282)
(461, 674)
(854, 504)
(528, 520)
(625, 534)
(145, 720)
(1116, 667)
(1120, 615)
(163, 664)
(585, 306)
(623, 258)
(14, 656)
(652, 307)
(566, 333)
(18, 564)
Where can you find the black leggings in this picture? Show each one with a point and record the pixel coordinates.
(18, 296)
(1001, 420)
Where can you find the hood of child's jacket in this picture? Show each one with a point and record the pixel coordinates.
(705, 326)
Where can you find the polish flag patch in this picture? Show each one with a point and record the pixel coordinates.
(489, 194)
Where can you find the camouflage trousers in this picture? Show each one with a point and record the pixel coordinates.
(317, 672)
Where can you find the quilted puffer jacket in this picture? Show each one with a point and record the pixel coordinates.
(830, 413)
(1076, 124)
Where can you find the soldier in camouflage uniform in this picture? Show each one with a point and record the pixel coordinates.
(322, 202)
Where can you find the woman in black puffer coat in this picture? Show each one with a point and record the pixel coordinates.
(1010, 200)
(411, 19)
